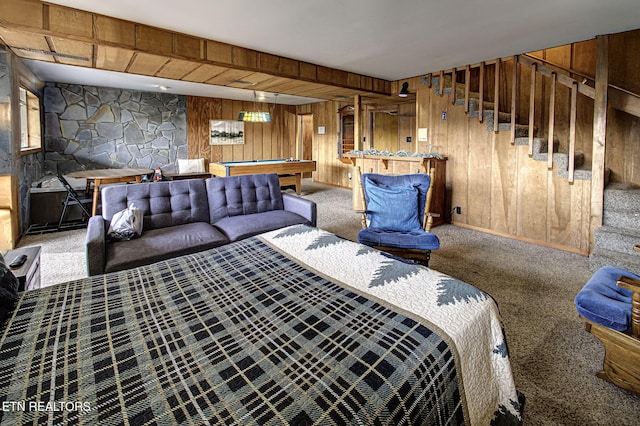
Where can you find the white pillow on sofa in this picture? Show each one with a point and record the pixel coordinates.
(191, 166)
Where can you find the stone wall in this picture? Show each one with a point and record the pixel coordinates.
(90, 127)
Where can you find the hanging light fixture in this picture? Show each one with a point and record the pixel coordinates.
(255, 116)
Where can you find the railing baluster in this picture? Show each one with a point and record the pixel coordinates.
(552, 119)
(532, 105)
(496, 97)
(452, 95)
(441, 85)
(467, 78)
(481, 100)
(515, 87)
(572, 130)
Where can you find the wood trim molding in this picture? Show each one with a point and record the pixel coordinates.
(28, 19)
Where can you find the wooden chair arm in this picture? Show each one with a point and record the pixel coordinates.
(633, 285)
(629, 283)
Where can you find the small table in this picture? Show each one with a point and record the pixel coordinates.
(289, 171)
(29, 273)
(104, 176)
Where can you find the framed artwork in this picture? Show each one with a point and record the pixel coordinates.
(226, 132)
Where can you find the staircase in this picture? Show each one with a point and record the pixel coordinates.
(614, 242)
(617, 242)
(540, 150)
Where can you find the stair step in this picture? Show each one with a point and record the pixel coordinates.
(621, 219)
(582, 171)
(620, 240)
(504, 124)
(600, 257)
(622, 206)
(622, 196)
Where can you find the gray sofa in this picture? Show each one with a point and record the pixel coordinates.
(187, 216)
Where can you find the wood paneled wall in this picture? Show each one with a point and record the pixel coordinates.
(623, 130)
(498, 186)
(263, 141)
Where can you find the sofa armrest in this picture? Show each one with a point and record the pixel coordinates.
(95, 244)
(303, 207)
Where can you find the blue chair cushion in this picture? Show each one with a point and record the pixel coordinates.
(603, 302)
(392, 208)
(416, 239)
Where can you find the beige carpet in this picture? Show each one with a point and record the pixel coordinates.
(554, 359)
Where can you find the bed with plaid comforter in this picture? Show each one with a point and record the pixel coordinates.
(296, 326)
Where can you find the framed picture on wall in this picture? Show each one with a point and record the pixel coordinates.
(226, 132)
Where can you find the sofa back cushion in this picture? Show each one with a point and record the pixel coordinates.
(245, 194)
(163, 203)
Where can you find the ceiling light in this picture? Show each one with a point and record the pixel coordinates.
(255, 116)
(404, 92)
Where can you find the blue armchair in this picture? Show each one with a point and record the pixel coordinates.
(609, 303)
(396, 216)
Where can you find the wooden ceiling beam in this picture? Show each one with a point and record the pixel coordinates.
(116, 44)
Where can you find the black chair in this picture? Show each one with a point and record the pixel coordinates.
(73, 198)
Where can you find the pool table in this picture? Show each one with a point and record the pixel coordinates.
(289, 171)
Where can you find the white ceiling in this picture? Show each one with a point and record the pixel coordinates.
(49, 71)
(388, 39)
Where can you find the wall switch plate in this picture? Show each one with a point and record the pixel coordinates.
(444, 115)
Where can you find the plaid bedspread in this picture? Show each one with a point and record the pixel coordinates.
(239, 335)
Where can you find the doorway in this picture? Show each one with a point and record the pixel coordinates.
(305, 139)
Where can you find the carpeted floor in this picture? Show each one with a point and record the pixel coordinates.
(554, 359)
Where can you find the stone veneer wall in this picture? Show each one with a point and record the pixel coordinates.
(90, 127)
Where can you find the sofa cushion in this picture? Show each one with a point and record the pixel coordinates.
(163, 203)
(162, 243)
(243, 195)
(239, 227)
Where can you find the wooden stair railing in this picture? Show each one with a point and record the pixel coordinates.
(515, 88)
(481, 90)
(496, 97)
(532, 107)
(619, 98)
(536, 67)
(552, 118)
